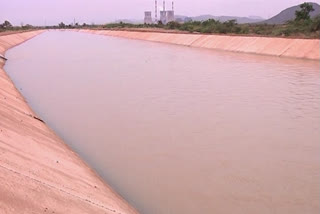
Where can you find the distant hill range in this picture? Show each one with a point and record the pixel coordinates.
(289, 14)
(240, 20)
(180, 18)
(284, 16)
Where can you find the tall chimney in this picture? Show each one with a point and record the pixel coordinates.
(156, 11)
(164, 5)
(172, 6)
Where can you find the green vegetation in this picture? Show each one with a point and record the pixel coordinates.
(7, 26)
(297, 28)
(301, 26)
(304, 12)
(209, 26)
(129, 25)
(62, 25)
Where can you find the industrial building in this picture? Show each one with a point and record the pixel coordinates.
(165, 15)
(170, 16)
(147, 17)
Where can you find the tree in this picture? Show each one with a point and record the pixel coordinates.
(6, 24)
(316, 24)
(231, 23)
(304, 12)
(173, 25)
(27, 26)
(62, 25)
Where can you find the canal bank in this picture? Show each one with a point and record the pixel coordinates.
(38, 171)
(281, 47)
(175, 129)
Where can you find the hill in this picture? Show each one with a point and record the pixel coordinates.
(289, 14)
(240, 20)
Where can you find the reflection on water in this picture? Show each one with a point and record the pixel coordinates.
(180, 130)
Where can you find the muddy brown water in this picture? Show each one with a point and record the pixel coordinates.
(176, 129)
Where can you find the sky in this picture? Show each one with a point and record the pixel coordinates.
(52, 12)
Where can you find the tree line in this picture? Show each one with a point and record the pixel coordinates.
(302, 25)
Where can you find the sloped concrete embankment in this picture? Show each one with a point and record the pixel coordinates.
(282, 47)
(39, 173)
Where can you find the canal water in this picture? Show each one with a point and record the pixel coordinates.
(179, 130)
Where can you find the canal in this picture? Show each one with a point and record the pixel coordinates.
(179, 130)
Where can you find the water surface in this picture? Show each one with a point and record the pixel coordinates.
(176, 129)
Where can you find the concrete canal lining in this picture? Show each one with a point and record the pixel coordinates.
(281, 47)
(38, 171)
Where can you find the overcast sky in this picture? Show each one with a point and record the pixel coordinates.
(51, 12)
